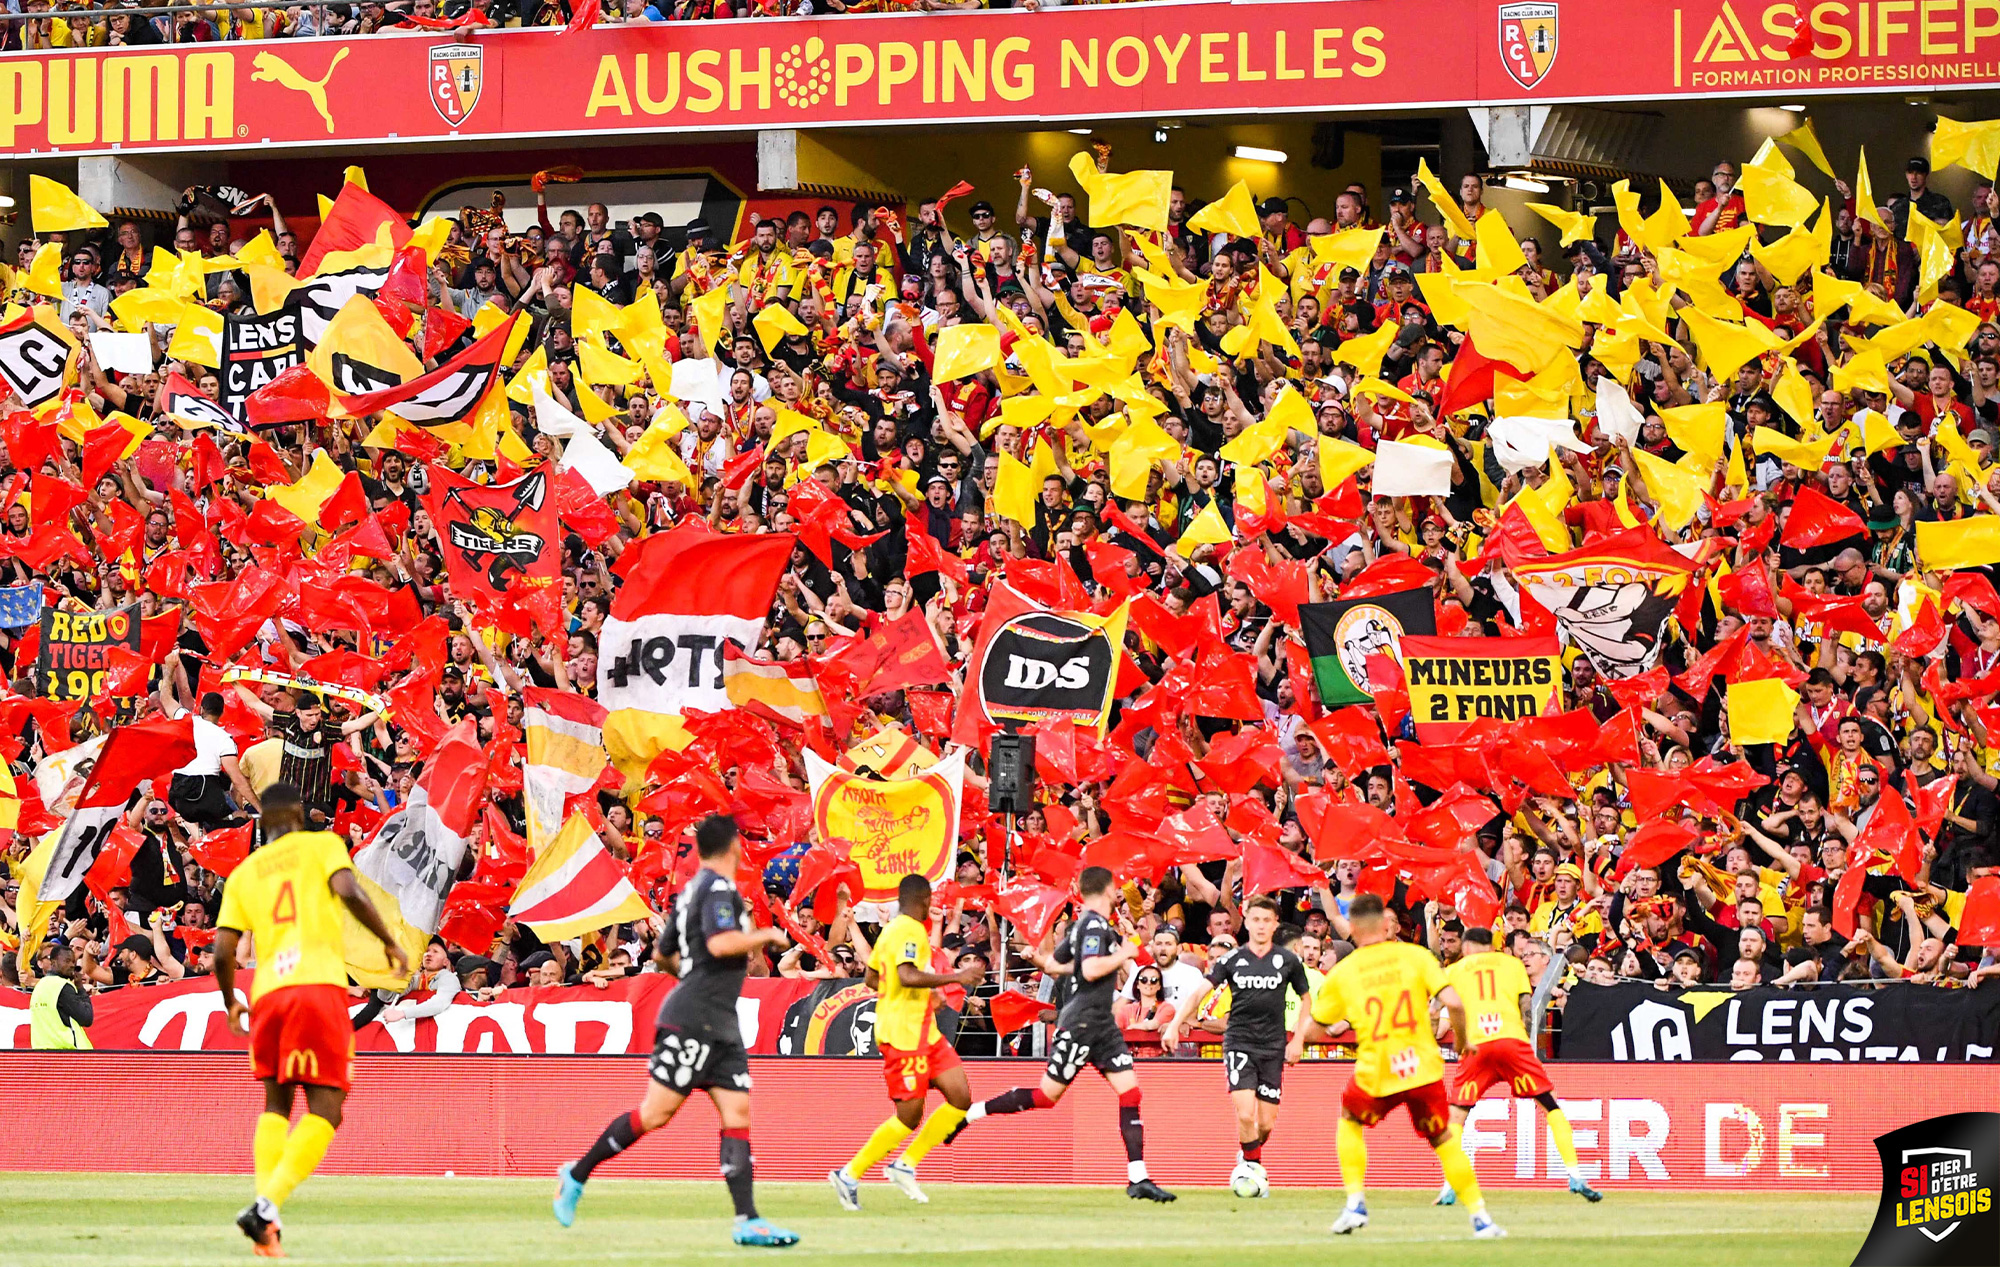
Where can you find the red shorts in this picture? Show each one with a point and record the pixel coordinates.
(1497, 1061)
(909, 1073)
(301, 1034)
(1430, 1112)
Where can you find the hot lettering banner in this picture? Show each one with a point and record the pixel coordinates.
(1830, 1022)
(897, 827)
(1456, 682)
(1202, 57)
(76, 649)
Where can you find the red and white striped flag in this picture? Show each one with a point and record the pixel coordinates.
(564, 733)
(773, 689)
(575, 886)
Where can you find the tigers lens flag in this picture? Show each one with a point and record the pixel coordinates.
(1032, 664)
(1455, 682)
(684, 596)
(1340, 636)
(494, 533)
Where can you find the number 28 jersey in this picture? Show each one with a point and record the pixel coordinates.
(1384, 992)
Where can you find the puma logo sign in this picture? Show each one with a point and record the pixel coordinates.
(271, 69)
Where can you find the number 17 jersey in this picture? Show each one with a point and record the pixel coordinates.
(1384, 992)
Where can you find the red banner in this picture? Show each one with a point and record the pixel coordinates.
(562, 1020)
(1670, 1127)
(1197, 58)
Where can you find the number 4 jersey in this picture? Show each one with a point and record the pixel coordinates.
(1384, 992)
(281, 897)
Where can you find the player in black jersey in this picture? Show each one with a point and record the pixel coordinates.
(1255, 1049)
(699, 1046)
(1086, 1033)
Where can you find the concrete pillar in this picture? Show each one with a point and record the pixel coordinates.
(1509, 132)
(778, 159)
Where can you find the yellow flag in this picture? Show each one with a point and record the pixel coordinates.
(1864, 370)
(1803, 139)
(1676, 491)
(591, 315)
(1864, 195)
(1207, 529)
(1126, 339)
(711, 314)
(1947, 545)
(1875, 432)
(1515, 329)
(1497, 252)
(1133, 455)
(595, 365)
(1234, 213)
(1807, 455)
(1798, 250)
(1794, 395)
(640, 328)
(1180, 303)
(44, 275)
(1698, 430)
(1365, 352)
(656, 455)
(1019, 412)
(1935, 251)
(57, 209)
(1763, 711)
(1445, 305)
(1447, 206)
(1349, 248)
(1257, 442)
(964, 350)
(261, 249)
(198, 336)
(1770, 195)
(1545, 518)
(1575, 225)
(145, 304)
(772, 323)
(534, 373)
(1138, 199)
(311, 491)
(1719, 252)
(1014, 491)
(1725, 346)
(372, 355)
(1974, 146)
(1339, 459)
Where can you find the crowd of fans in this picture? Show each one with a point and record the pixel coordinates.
(1752, 902)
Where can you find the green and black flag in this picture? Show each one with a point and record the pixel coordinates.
(1341, 635)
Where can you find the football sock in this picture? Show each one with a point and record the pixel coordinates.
(1133, 1130)
(1019, 1100)
(1565, 1140)
(1252, 1151)
(936, 1129)
(736, 1162)
(886, 1137)
(268, 1144)
(1351, 1143)
(1458, 1170)
(623, 1132)
(304, 1148)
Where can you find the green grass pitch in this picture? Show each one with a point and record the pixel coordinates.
(154, 1220)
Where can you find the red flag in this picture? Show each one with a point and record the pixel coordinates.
(1933, 801)
(352, 223)
(1847, 899)
(585, 17)
(1816, 520)
(1747, 592)
(1655, 843)
(901, 652)
(222, 851)
(1011, 1010)
(103, 446)
(1240, 761)
(296, 394)
(1032, 907)
(1351, 739)
(1471, 380)
(1923, 634)
(1272, 868)
(1979, 921)
(1892, 832)
(926, 555)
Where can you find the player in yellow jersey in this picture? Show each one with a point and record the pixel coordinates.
(284, 895)
(1494, 1047)
(1383, 991)
(915, 1055)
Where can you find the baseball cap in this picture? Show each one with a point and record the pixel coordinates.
(697, 228)
(982, 207)
(1401, 195)
(1271, 207)
(1571, 870)
(650, 217)
(1688, 953)
(1918, 164)
(1981, 435)
(1396, 272)
(937, 479)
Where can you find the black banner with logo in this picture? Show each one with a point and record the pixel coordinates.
(1829, 1022)
(256, 350)
(1035, 665)
(838, 1019)
(1937, 1207)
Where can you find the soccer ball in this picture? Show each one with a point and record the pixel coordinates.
(1248, 1181)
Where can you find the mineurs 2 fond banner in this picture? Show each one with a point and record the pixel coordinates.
(1454, 683)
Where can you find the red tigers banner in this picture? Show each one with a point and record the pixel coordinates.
(495, 534)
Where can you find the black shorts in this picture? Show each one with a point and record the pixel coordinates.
(1260, 1071)
(687, 1062)
(1101, 1047)
(202, 799)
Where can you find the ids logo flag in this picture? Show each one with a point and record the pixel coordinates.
(1528, 41)
(456, 75)
(1034, 665)
(1937, 1195)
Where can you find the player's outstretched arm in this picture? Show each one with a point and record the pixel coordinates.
(733, 943)
(1455, 1008)
(915, 978)
(346, 888)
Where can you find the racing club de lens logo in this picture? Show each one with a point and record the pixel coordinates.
(1937, 1206)
(1528, 41)
(456, 76)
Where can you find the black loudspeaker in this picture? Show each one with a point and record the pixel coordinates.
(1010, 771)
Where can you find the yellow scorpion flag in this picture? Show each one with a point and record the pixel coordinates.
(897, 827)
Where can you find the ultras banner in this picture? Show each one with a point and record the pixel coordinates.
(1203, 57)
(1825, 1023)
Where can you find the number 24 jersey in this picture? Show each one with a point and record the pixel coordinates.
(1384, 992)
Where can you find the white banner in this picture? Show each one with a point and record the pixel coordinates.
(668, 663)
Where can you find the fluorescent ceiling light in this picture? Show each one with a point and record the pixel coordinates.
(1795, 108)
(1079, 131)
(1258, 154)
(1525, 182)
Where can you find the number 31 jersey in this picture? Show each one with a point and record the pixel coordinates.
(1384, 992)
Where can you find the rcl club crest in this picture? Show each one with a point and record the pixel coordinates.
(456, 76)
(1527, 41)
